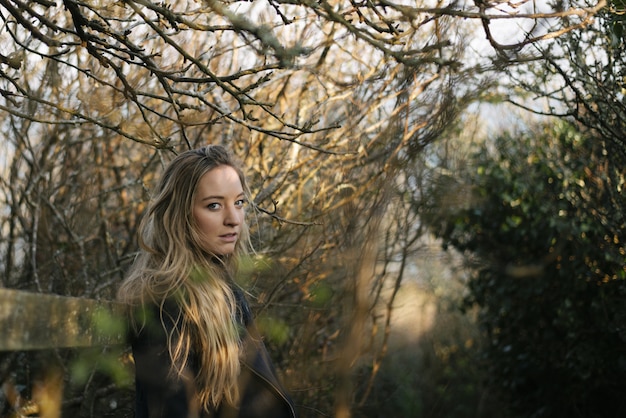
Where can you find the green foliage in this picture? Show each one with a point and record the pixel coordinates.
(545, 232)
(109, 324)
(321, 294)
(102, 361)
(275, 329)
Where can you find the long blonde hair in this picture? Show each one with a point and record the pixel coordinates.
(173, 265)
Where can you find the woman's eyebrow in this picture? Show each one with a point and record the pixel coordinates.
(219, 197)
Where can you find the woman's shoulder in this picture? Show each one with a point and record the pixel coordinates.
(243, 307)
(155, 319)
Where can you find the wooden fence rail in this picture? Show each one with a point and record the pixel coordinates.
(42, 322)
(35, 321)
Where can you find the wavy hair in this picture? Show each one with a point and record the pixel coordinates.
(172, 264)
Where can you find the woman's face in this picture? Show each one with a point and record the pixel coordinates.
(218, 209)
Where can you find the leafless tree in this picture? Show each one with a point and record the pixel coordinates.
(162, 63)
(580, 76)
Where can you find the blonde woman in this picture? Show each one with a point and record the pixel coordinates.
(195, 347)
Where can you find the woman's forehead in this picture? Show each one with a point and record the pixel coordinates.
(221, 181)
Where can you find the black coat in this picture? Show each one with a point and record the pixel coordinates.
(162, 394)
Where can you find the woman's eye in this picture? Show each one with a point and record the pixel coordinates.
(240, 202)
(213, 206)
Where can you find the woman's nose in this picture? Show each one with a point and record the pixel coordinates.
(233, 216)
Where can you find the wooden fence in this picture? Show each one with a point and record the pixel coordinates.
(35, 321)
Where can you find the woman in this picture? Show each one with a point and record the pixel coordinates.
(196, 350)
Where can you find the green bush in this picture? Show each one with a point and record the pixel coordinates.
(544, 231)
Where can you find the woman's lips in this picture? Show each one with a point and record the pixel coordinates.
(232, 237)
